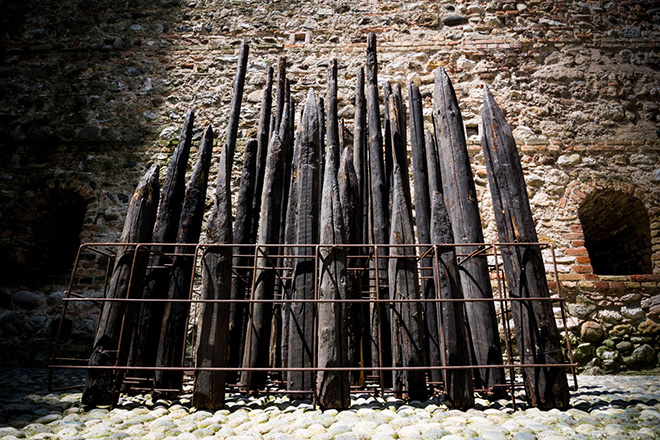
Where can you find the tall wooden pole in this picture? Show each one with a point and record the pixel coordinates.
(423, 222)
(536, 328)
(257, 348)
(379, 315)
(172, 337)
(100, 385)
(451, 325)
(263, 134)
(408, 348)
(144, 346)
(333, 387)
(461, 200)
(301, 318)
(242, 224)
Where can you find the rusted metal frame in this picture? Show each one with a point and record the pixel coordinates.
(504, 311)
(562, 307)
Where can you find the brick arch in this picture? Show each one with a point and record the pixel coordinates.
(577, 193)
(51, 224)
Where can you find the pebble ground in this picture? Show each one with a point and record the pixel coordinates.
(604, 407)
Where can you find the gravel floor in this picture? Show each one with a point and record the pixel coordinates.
(604, 407)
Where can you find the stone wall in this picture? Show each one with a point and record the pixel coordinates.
(93, 92)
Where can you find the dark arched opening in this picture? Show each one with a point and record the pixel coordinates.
(47, 236)
(617, 233)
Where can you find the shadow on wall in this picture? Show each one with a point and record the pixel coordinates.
(80, 88)
(617, 233)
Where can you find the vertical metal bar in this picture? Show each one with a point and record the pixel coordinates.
(562, 307)
(381, 373)
(65, 306)
(315, 325)
(505, 321)
(443, 334)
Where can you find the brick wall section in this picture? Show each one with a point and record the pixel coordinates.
(93, 92)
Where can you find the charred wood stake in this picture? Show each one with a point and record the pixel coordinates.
(361, 166)
(172, 337)
(241, 283)
(332, 121)
(281, 87)
(536, 328)
(213, 327)
(333, 387)
(423, 221)
(387, 143)
(144, 346)
(379, 316)
(461, 201)
(263, 133)
(451, 326)
(408, 348)
(258, 334)
(351, 209)
(116, 321)
(301, 317)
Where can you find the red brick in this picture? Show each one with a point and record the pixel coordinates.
(581, 251)
(579, 193)
(618, 285)
(562, 203)
(644, 278)
(575, 228)
(583, 260)
(583, 269)
(591, 277)
(574, 236)
(577, 243)
(602, 285)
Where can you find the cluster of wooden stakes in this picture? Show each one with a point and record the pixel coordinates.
(307, 187)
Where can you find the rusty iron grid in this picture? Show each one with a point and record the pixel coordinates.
(275, 260)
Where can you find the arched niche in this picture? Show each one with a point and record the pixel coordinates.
(617, 233)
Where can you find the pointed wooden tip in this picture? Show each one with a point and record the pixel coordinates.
(371, 41)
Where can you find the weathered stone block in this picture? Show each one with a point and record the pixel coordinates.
(591, 331)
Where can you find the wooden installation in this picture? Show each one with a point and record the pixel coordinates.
(461, 201)
(323, 280)
(144, 346)
(130, 266)
(546, 387)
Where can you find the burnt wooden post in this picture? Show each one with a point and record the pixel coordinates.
(407, 322)
(461, 200)
(301, 317)
(423, 221)
(379, 315)
(290, 238)
(333, 387)
(100, 384)
(351, 207)
(257, 349)
(451, 326)
(172, 335)
(387, 144)
(361, 166)
(263, 134)
(536, 328)
(144, 346)
(242, 224)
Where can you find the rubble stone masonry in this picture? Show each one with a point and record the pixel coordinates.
(94, 91)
